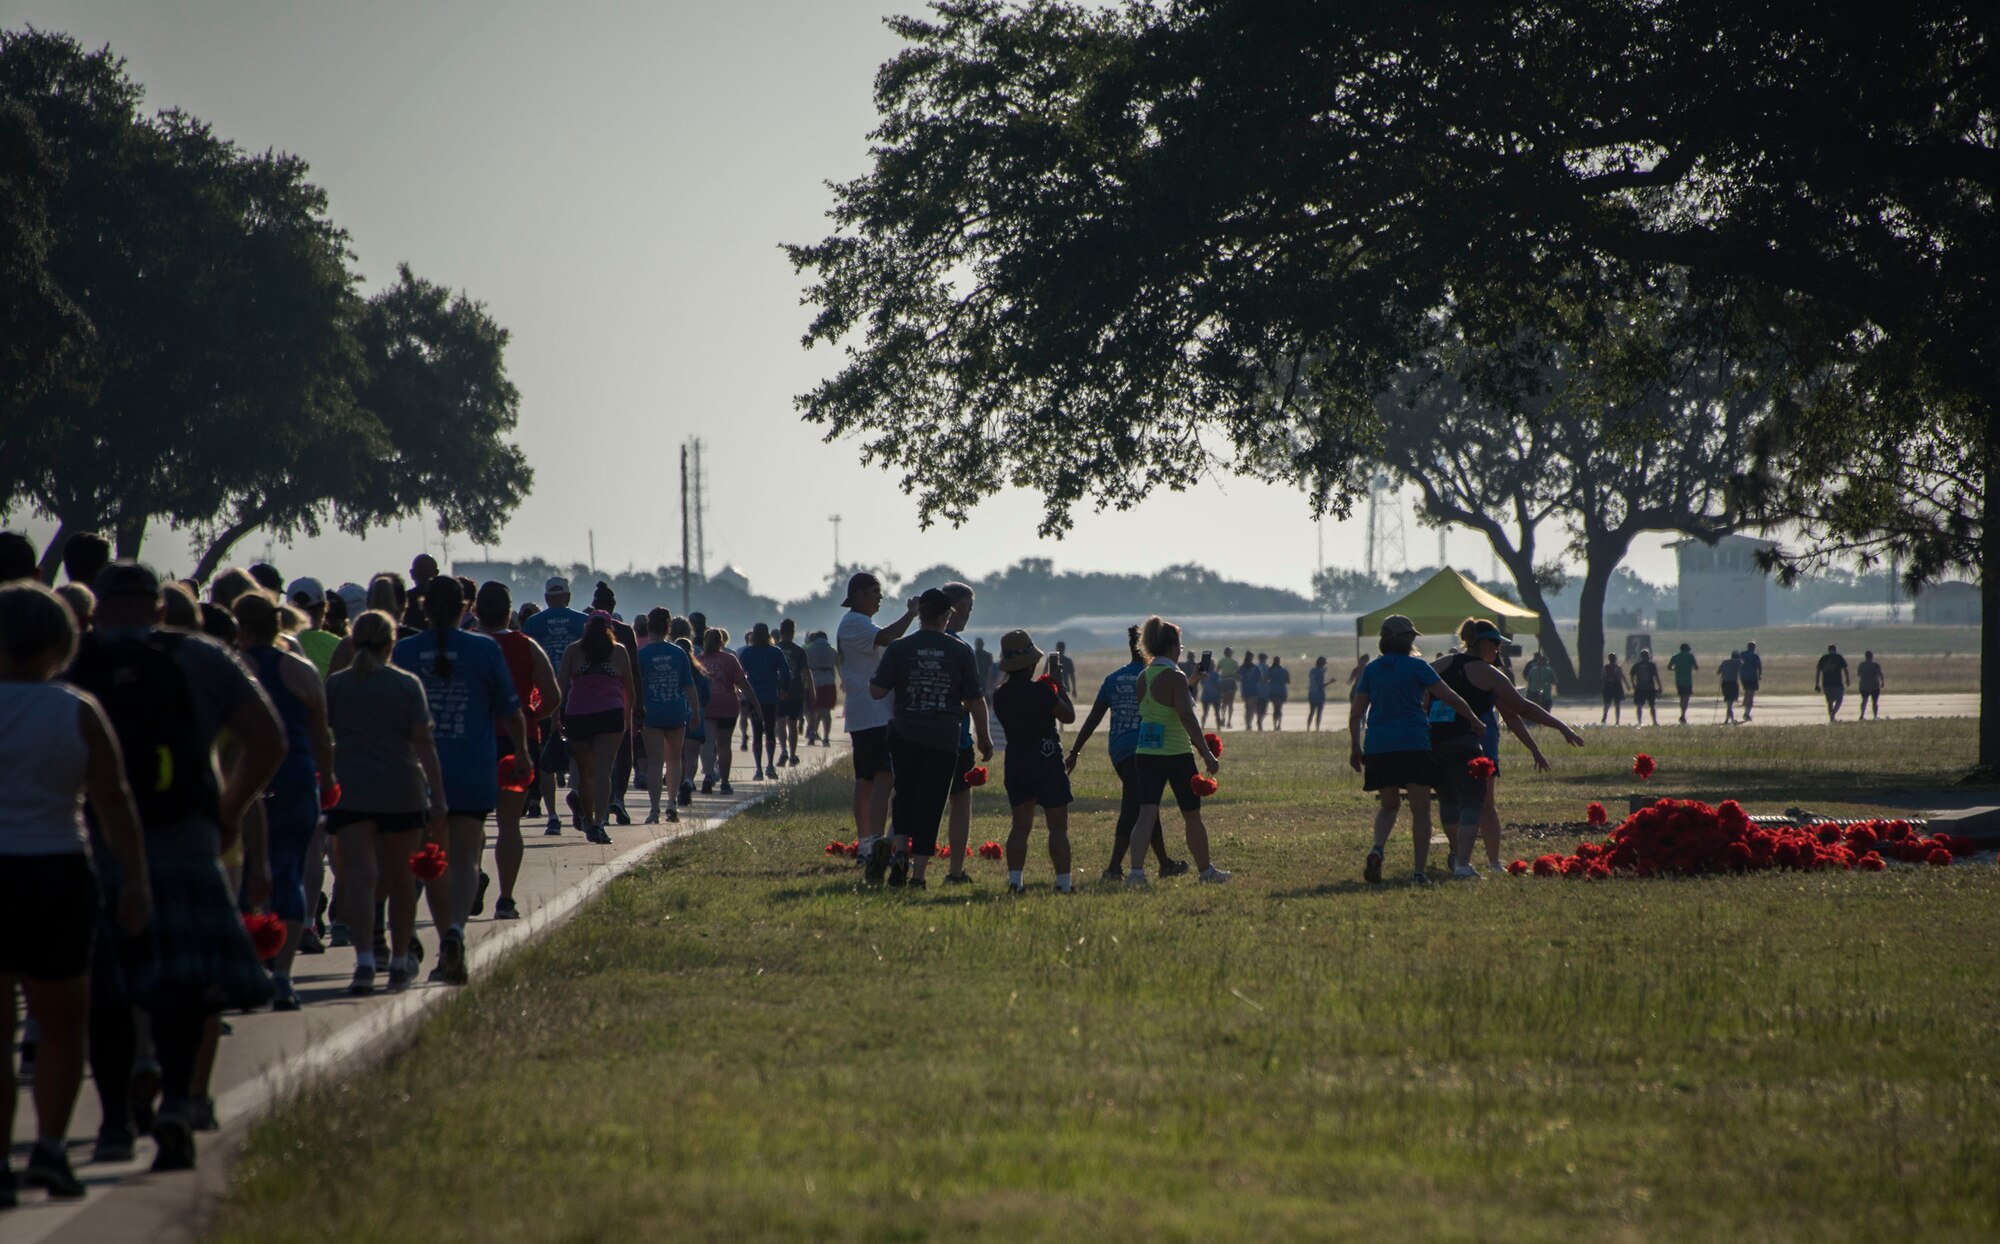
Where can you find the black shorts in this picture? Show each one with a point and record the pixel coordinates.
(1157, 773)
(1613, 697)
(1391, 770)
(1729, 693)
(791, 708)
(871, 752)
(1039, 779)
(1751, 684)
(722, 729)
(965, 763)
(1641, 699)
(385, 822)
(48, 916)
(595, 725)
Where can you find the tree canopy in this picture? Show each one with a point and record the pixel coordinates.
(1100, 247)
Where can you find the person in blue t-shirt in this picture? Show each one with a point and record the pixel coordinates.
(1393, 753)
(769, 674)
(1119, 698)
(667, 703)
(466, 681)
(555, 629)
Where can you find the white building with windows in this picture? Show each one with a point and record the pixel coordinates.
(1722, 587)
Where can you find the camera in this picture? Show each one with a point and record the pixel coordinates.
(1207, 662)
(1512, 650)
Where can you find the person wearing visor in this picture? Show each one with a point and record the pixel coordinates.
(1457, 740)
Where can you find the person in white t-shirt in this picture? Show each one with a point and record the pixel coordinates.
(866, 718)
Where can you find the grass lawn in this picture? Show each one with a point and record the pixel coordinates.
(736, 1042)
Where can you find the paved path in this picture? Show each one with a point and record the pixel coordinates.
(270, 1053)
(1703, 710)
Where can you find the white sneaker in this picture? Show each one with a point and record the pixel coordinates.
(1466, 872)
(1497, 868)
(1214, 875)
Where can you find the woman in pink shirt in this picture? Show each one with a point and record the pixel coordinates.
(728, 690)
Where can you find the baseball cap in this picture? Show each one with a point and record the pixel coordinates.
(1397, 624)
(354, 596)
(125, 578)
(555, 586)
(312, 589)
(855, 582)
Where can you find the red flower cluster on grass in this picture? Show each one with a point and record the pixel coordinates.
(1596, 814)
(428, 862)
(1684, 837)
(843, 848)
(267, 933)
(1643, 765)
(1204, 785)
(991, 851)
(1214, 742)
(976, 775)
(1481, 767)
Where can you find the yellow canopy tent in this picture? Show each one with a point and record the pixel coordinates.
(1446, 599)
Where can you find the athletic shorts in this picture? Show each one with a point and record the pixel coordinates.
(1751, 684)
(1157, 773)
(1393, 770)
(1042, 780)
(791, 707)
(871, 752)
(724, 727)
(965, 763)
(1614, 697)
(1835, 693)
(384, 822)
(1729, 693)
(594, 725)
(1210, 692)
(824, 697)
(1228, 686)
(48, 916)
(1642, 698)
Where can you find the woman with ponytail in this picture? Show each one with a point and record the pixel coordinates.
(390, 787)
(596, 679)
(1169, 740)
(465, 677)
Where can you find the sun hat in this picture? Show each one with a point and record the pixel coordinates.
(1018, 651)
(855, 582)
(1397, 624)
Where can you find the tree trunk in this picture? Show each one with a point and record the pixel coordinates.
(1989, 604)
(130, 534)
(1601, 557)
(1548, 636)
(219, 547)
(52, 555)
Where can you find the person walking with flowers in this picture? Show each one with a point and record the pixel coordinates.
(1029, 708)
(1170, 738)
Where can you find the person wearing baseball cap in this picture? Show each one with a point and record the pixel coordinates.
(308, 596)
(1029, 709)
(1392, 700)
(866, 718)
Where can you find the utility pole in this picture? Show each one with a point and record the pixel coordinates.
(700, 510)
(686, 603)
(835, 520)
(593, 550)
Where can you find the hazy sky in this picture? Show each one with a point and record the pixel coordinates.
(613, 181)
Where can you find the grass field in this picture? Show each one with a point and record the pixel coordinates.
(736, 1042)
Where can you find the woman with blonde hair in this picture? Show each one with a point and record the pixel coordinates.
(391, 786)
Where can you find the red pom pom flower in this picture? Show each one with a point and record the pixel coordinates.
(1596, 814)
(1204, 785)
(1214, 742)
(990, 851)
(1481, 767)
(1518, 867)
(516, 774)
(1643, 765)
(976, 775)
(267, 933)
(330, 798)
(428, 862)
(1049, 681)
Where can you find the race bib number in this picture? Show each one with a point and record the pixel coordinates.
(1443, 713)
(1152, 734)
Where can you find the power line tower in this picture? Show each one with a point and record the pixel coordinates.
(694, 507)
(686, 604)
(1386, 545)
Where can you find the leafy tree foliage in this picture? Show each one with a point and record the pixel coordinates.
(1092, 237)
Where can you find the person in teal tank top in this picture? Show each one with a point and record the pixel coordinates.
(1169, 740)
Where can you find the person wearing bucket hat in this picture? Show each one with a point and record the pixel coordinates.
(1028, 709)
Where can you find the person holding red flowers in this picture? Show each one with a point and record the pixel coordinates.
(1393, 753)
(534, 677)
(1170, 738)
(1029, 708)
(1119, 697)
(1457, 741)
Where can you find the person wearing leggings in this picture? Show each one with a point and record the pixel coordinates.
(1119, 699)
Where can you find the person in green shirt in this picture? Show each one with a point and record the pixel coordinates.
(1541, 680)
(1683, 665)
(318, 643)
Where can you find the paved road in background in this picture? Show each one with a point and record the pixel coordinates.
(269, 1053)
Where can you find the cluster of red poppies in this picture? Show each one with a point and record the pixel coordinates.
(1481, 767)
(267, 933)
(987, 850)
(849, 849)
(991, 851)
(428, 862)
(1684, 837)
(1214, 742)
(976, 775)
(1204, 785)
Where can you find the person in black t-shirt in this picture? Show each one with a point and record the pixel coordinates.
(935, 683)
(1029, 708)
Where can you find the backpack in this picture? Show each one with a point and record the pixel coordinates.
(146, 697)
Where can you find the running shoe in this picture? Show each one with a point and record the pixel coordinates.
(114, 1144)
(618, 811)
(339, 936)
(1420, 877)
(916, 883)
(450, 969)
(48, 1168)
(174, 1141)
(958, 879)
(899, 868)
(878, 861)
(363, 984)
(1465, 872)
(1136, 880)
(673, 816)
(310, 943)
(687, 793)
(1214, 875)
(653, 817)
(479, 899)
(1017, 887)
(400, 974)
(708, 786)
(794, 760)
(1371, 870)
(506, 909)
(201, 1114)
(727, 789)
(283, 996)
(1174, 868)
(554, 827)
(757, 775)
(1114, 874)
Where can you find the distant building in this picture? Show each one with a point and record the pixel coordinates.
(731, 577)
(1949, 604)
(1722, 588)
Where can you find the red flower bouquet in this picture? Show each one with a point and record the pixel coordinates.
(1204, 785)
(1481, 767)
(1214, 742)
(1596, 814)
(991, 851)
(976, 775)
(1517, 868)
(267, 933)
(516, 774)
(1643, 765)
(428, 862)
(330, 799)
